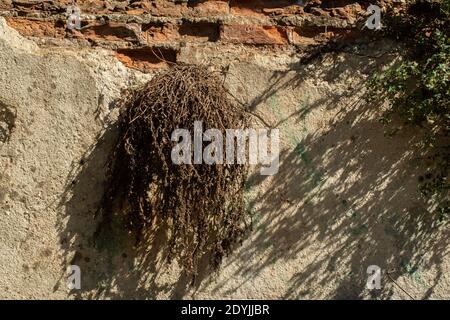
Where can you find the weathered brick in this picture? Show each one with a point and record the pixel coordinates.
(348, 12)
(167, 9)
(297, 37)
(92, 6)
(147, 59)
(112, 32)
(186, 31)
(199, 32)
(37, 28)
(160, 32)
(261, 8)
(6, 4)
(253, 34)
(211, 8)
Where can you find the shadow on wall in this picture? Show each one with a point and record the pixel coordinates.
(351, 192)
(347, 193)
(112, 263)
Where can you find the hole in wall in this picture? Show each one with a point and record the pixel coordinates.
(208, 31)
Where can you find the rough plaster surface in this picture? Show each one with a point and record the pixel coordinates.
(345, 196)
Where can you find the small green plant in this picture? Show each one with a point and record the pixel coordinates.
(418, 86)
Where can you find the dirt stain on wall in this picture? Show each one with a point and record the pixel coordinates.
(7, 121)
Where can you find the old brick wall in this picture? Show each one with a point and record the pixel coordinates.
(151, 33)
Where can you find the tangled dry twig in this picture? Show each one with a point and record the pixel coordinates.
(203, 205)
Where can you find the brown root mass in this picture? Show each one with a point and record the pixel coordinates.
(202, 205)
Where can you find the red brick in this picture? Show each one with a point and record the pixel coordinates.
(211, 8)
(253, 34)
(35, 28)
(112, 32)
(146, 59)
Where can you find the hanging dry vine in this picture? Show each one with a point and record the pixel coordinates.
(203, 205)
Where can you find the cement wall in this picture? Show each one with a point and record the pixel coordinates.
(345, 196)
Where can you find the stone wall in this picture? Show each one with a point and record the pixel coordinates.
(148, 34)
